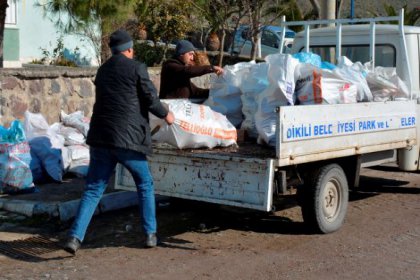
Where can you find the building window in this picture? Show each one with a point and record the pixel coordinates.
(11, 12)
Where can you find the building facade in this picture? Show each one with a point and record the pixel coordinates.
(29, 36)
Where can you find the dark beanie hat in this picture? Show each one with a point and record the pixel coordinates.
(120, 41)
(183, 46)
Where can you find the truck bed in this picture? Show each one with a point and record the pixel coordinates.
(246, 150)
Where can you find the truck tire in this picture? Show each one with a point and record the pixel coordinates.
(324, 200)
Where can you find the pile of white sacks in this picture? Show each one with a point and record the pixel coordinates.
(248, 92)
(57, 148)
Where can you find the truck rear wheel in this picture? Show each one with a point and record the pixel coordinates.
(325, 199)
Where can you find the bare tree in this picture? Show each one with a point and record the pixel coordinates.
(260, 13)
(316, 7)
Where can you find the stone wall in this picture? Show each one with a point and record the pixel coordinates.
(48, 90)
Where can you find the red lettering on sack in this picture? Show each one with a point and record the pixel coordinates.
(317, 87)
(224, 134)
(201, 108)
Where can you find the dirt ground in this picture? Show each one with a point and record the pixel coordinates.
(379, 240)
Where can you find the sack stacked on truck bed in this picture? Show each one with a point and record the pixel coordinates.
(225, 93)
(356, 74)
(386, 85)
(196, 126)
(255, 81)
(320, 86)
(316, 82)
(280, 92)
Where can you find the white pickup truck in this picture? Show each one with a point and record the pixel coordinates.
(319, 148)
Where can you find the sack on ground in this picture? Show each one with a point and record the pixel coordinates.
(76, 120)
(71, 135)
(15, 157)
(47, 161)
(37, 126)
(79, 158)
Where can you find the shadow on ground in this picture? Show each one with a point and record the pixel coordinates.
(121, 228)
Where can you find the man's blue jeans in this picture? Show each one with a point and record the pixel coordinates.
(102, 164)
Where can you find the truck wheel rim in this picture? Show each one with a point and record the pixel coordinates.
(331, 201)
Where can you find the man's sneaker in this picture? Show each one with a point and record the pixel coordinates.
(71, 245)
(151, 240)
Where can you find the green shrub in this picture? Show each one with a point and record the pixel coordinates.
(150, 55)
(57, 56)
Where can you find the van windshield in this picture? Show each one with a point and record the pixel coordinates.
(289, 34)
(385, 55)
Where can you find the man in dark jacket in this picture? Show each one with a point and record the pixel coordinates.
(119, 132)
(177, 72)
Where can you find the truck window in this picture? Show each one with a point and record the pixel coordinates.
(246, 34)
(385, 55)
(268, 38)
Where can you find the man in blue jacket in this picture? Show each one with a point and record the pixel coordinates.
(120, 132)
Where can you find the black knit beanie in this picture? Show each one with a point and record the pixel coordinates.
(183, 46)
(120, 41)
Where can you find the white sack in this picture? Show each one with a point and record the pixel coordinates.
(225, 94)
(77, 152)
(35, 125)
(76, 120)
(66, 157)
(195, 126)
(78, 160)
(386, 85)
(71, 135)
(356, 74)
(281, 73)
(279, 93)
(254, 82)
(322, 86)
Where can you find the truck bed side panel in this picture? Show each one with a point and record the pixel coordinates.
(237, 181)
(311, 133)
